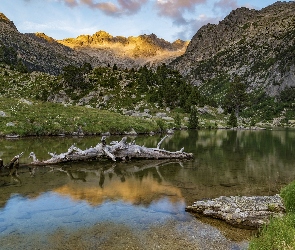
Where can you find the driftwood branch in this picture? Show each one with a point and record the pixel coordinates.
(121, 150)
(160, 142)
(13, 165)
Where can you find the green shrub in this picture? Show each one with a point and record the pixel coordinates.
(288, 195)
(279, 234)
(161, 125)
(177, 120)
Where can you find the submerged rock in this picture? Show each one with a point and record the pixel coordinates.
(241, 211)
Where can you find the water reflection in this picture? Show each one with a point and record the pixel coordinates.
(136, 184)
(140, 192)
(51, 211)
(73, 197)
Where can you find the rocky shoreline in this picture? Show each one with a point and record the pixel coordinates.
(241, 211)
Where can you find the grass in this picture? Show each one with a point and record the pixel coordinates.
(44, 118)
(280, 233)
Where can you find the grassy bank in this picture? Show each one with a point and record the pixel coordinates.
(25, 118)
(280, 233)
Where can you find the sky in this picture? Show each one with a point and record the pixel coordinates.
(167, 19)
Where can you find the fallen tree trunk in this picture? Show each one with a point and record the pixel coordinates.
(115, 151)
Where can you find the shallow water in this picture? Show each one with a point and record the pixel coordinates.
(138, 204)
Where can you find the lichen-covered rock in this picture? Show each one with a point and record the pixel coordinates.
(10, 124)
(241, 211)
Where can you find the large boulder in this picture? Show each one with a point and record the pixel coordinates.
(241, 211)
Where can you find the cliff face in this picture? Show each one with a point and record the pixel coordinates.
(38, 51)
(258, 46)
(126, 52)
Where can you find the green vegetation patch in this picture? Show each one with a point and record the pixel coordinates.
(280, 233)
(27, 118)
(288, 195)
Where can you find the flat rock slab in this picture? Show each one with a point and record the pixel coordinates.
(241, 211)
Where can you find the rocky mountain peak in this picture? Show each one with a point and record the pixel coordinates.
(238, 16)
(126, 51)
(6, 20)
(102, 34)
(45, 37)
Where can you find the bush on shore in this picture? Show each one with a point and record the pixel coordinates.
(280, 233)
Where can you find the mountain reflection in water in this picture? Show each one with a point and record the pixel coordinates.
(93, 195)
(131, 191)
(144, 200)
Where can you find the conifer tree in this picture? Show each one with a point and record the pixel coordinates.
(236, 96)
(177, 121)
(193, 122)
(233, 122)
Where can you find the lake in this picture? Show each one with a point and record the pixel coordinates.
(138, 204)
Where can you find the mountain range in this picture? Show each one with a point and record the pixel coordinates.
(258, 46)
(40, 52)
(126, 52)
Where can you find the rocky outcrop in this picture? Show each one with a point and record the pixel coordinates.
(241, 211)
(38, 51)
(256, 45)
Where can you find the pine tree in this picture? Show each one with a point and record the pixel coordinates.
(233, 122)
(236, 96)
(193, 122)
(177, 121)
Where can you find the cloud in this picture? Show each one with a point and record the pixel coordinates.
(189, 30)
(116, 8)
(183, 13)
(71, 3)
(56, 27)
(226, 4)
(202, 20)
(175, 9)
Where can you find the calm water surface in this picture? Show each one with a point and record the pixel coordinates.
(138, 204)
